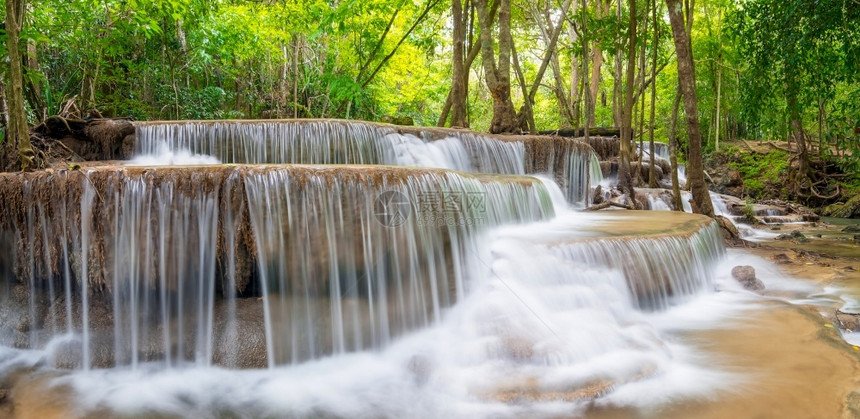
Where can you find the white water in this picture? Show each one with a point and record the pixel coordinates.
(532, 320)
(167, 157)
(657, 204)
(343, 142)
(477, 317)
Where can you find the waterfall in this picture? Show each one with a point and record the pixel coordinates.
(256, 142)
(659, 269)
(345, 142)
(156, 250)
(349, 269)
(595, 173)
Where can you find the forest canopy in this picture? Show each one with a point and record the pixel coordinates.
(782, 70)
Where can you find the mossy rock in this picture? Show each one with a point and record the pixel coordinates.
(850, 209)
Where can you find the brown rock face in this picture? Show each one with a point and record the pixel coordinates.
(746, 276)
(848, 321)
(730, 232)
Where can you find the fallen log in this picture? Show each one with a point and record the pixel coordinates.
(607, 204)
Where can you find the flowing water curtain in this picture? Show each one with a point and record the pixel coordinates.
(140, 265)
(338, 279)
(343, 142)
(259, 142)
(659, 270)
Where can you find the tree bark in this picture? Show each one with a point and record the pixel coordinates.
(575, 91)
(474, 51)
(637, 174)
(458, 77)
(652, 170)
(799, 135)
(547, 28)
(625, 180)
(617, 104)
(550, 50)
(588, 103)
(601, 9)
(687, 81)
(498, 76)
(527, 107)
(17, 133)
(673, 152)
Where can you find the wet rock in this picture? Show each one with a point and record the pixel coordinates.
(781, 258)
(848, 321)
(794, 235)
(851, 229)
(729, 229)
(645, 168)
(597, 198)
(746, 276)
(733, 178)
(403, 120)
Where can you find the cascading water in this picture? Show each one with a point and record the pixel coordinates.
(313, 248)
(347, 290)
(344, 142)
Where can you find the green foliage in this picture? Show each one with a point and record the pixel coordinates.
(795, 49)
(762, 173)
(191, 59)
(749, 212)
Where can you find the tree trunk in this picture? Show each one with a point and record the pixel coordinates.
(687, 80)
(17, 133)
(296, 59)
(575, 91)
(652, 171)
(4, 112)
(799, 135)
(458, 77)
(550, 50)
(601, 9)
(498, 76)
(588, 103)
(673, 153)
(527, 108)
(625, 181)
(617, 104)
(638, 172)
(33, 92)
(547, 28)
(719, 76)
(474, 51)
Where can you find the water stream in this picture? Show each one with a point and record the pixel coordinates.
(345, 286)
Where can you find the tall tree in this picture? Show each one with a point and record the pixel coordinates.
(617, 100)
(498, 75)
(17, 132)
(687, 81)
(625, 178)
(673, 152)
(652, 170)
(459, 76)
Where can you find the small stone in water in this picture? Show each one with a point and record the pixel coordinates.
(746, 276)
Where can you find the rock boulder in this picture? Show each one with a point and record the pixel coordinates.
(746, 276)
